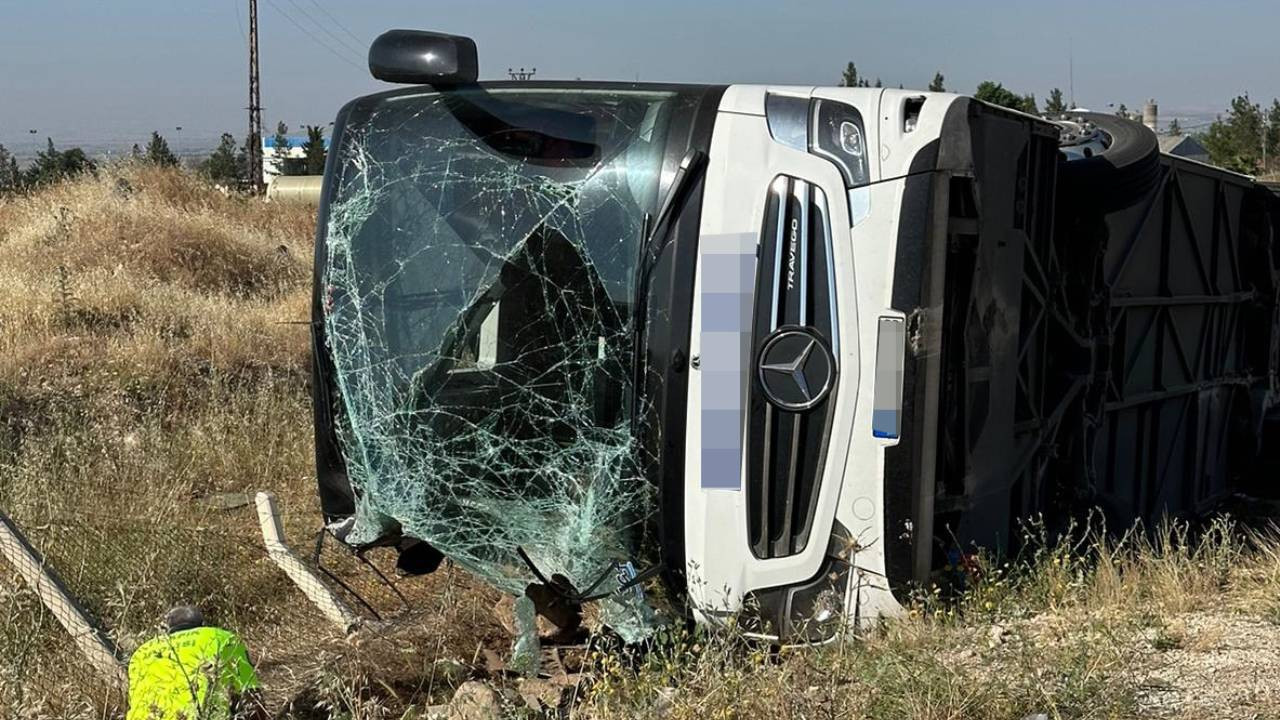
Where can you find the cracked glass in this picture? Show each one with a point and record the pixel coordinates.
(483, 252)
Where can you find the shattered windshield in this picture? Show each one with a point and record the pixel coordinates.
(482, 255)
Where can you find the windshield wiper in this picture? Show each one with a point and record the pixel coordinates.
(657, 233)
(561, 586)
(691, 167)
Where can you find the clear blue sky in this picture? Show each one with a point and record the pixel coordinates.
(108, 71)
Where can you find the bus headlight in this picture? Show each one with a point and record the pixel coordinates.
(830, 129)
(836, 133)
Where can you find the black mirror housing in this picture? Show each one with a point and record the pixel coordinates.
(419, 57)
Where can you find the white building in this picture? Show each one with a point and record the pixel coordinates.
(270, 154)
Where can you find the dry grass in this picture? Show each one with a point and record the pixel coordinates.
(154, 357)
(145, 364)
(1083, 629)
(149, 362)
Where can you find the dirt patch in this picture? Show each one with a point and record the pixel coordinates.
(1215, 665)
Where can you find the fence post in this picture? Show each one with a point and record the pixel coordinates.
(315, 590)
(96, 647)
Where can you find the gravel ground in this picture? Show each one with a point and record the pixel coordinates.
(1214, 665)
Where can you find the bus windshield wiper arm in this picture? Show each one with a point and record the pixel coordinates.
(656, 231)
(690, 167)
(655, 236)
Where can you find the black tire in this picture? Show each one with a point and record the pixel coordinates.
(1121, 175)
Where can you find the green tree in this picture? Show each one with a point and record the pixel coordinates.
(1123, 111)
(224, 165)
(158, 152)
(997, 94)
(281, 163)
(1175, 128)
(937, 84)
(313, 151)
(10, 175)
(1273, 136)
(1055, 105)
(14, 173)
(1235, 142)
(51, 166)
(850, 77)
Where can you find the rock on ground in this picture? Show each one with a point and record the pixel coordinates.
(475, 700)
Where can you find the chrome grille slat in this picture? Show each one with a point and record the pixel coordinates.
(820, 202)
(786, 444)
(801, 193)
(781, 187)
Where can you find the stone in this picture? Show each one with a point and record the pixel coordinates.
(451, 672)
(431, 712)
(223, 501)
(664, 702)
(996, 636)
(563, 615)
(550, 613)
(539, 695)
(474, 700)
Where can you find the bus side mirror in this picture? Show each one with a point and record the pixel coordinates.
(419, 57)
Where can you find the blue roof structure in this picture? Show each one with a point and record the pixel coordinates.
(294, 141)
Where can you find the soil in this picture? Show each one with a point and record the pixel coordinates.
(1221, 665)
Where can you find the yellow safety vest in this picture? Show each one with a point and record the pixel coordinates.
(170, 676)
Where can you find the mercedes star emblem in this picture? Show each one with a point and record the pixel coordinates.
(796, 369)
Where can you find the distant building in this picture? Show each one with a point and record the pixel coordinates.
(1184, 146)
(270, 153)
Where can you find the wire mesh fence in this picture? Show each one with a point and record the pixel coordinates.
(122, 568)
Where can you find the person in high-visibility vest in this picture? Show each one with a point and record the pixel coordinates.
(192, 672)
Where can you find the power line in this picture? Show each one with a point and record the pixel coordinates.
(323, 28)
(240, 22)
(302, 28)
(337, 22)
(1071, 72)
(313, 37)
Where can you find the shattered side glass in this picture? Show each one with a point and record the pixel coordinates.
(483, 251)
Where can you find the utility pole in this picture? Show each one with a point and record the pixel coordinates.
(254, 151)
(1071, 74)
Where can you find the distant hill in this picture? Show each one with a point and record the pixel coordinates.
(26, 146)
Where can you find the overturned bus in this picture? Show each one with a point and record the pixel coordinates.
(684, 350)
